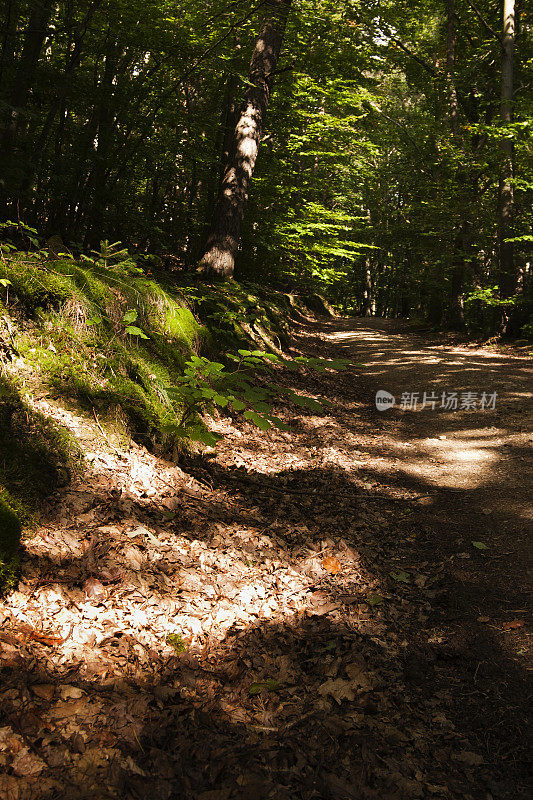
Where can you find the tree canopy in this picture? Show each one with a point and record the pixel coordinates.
(393, 150)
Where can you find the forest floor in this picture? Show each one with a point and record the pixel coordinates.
(338, 611)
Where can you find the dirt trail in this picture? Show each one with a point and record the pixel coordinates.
(476, 463)
(334, 632)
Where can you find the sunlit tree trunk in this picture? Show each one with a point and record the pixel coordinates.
(368, 293)
(224, 237)
(508, 274)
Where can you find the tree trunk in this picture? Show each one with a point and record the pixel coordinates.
(222, 150)
(225, 235)
(368, 291)
(459, 269)
(507, 271)
(106, 123)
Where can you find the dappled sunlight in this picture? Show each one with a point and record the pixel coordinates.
(180, 630)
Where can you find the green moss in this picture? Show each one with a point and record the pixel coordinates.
(37, 455)
(75, 336)
(180, 324)
(72, 333)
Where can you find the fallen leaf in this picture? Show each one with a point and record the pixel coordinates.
(67, 692)
(9, 787)
(94, 590)
(65, 710)
(133, 558)
(480, 545)
(400, 576)
(26, 763)
(469, 758)
(331, 564)
(339, 689)
(45, 638)
(358, 675)
(513, 624)
(43, 690)
(320, 604)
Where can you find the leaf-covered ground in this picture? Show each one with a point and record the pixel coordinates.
(338, 611)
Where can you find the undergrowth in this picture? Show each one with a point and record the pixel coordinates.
(101, 333)
(120, 344)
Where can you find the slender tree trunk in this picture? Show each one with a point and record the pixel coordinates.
(222, 149)
(461, 247)
(456, 315)
(507, 271)
(106, 121)
(368, 291)
(225, 235)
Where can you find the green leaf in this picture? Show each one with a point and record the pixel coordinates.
(400, 576)
(258, 420)
(262, 408)
(306, 402)
(256, 688)
(278, 423)
(130, 316)
(5, 282)
(133, 331)
(220, 400)
(205, 436)
(481, 545)
(177, 642)
(238, 405)
(374, 600)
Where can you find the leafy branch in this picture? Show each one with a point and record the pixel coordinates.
(206, 385)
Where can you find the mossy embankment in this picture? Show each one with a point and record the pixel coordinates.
(107, 340)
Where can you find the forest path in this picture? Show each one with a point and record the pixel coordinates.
(302, 617)
(480, 457)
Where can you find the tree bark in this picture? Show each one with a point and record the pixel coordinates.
(224, 237)
(507, 272)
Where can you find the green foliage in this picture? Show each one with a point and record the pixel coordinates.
(362, 190)
(79, 333)
(206, 385)
(176, 641)
(99, 331)
(489, 298)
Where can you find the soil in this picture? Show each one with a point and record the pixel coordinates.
(338, 611)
